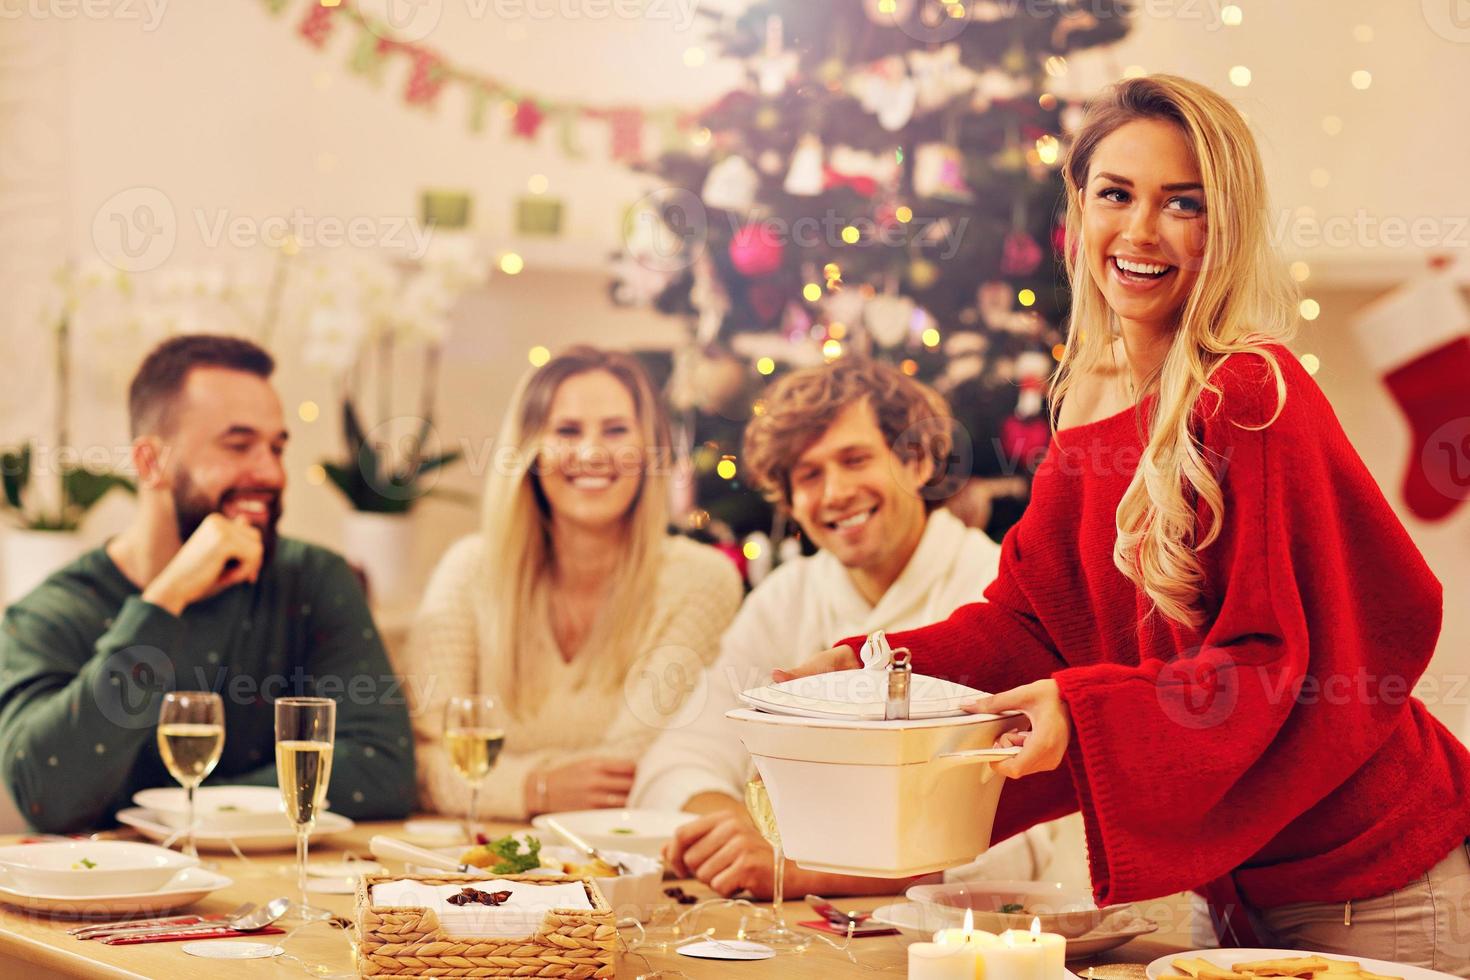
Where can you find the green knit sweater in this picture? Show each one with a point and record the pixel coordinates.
(84, 662)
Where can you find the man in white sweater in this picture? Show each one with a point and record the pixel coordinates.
(854, 450)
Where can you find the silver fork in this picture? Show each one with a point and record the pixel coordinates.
(167, 923)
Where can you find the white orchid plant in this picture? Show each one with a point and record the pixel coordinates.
(364, 313)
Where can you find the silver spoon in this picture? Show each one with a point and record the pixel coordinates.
(249, 922)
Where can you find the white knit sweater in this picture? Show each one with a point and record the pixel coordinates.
(697, 594)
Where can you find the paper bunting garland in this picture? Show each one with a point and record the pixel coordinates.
(429, 73)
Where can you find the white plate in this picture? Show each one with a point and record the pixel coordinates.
(188, 887)
(250, 842)
(224, 809)
(858, 694)
(82, 868)
(1068, 912)
(638, 831)
(1227, 957)
(919, 923)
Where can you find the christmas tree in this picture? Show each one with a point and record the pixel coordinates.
(885, 184)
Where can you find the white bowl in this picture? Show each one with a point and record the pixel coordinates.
(909, 797)
(1064, 910)
(81, 868)
(218, 809)
(635, 831)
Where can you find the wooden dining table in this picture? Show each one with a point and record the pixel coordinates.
(33, 945)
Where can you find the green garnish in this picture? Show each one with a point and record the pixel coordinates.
(623, 830)
(85, 863)
(517, 855)
(1012, 908)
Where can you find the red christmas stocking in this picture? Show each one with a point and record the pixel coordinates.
(1418, 337)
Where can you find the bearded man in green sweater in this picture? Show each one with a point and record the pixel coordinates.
(198, 593)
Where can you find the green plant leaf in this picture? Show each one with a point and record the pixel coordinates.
(82, 488)
(352, 427)
(16, 474)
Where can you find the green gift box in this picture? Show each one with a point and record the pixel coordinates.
(445, 209)
(538, 215)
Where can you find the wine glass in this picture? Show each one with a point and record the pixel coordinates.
(305, 733)
(473, 735)
(191, 736)
(778, 936)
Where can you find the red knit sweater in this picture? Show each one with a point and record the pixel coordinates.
(1278, 743)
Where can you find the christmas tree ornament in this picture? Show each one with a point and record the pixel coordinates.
(1418, 339)
(1072, 117)
(994, 85)
(775, 67)
(922, 274)
(805, 178)
(757, 250)
(844, 306)
(1020, 255)
(886, 90)
(996, 301)
(888, 13)
(887, 317)
(866, 173)
(939, 173)
(767, 299)
(769, 162)
(939, 76)
(796, 322)
(731, 185)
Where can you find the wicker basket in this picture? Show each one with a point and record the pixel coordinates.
(408, 942)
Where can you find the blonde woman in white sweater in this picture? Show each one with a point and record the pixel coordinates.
(573, 605)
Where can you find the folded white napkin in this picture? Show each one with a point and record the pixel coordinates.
(518, 918)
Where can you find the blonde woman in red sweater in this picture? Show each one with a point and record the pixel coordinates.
(1209, 614)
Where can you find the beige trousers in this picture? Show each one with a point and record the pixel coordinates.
(1426, 923)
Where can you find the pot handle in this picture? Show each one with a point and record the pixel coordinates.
(992, 754)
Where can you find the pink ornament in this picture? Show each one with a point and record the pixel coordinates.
(1020, 255)
(756, 250)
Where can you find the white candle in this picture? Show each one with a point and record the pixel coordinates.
(1054, 947)
(963, 944)
(942, 961)
(1012, 958)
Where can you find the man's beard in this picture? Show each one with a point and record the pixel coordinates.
(192, 506)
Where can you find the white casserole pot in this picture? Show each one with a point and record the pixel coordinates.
(879, 798)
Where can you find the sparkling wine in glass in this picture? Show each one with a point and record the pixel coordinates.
(473, 736)
(191, 736)
(758, 804)
(305, 733)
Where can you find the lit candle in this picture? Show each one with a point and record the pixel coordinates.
(954, 953)
(1046, 952)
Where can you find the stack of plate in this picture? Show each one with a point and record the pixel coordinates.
(90, 878)
(858, 695)
(252, 817)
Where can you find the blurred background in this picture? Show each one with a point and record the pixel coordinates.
(412, 202)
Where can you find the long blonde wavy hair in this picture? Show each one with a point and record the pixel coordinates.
(1241, 301)
(516, 526)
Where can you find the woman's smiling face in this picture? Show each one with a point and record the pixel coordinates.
(1143, 221)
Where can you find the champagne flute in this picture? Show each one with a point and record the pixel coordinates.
(758, 803)
(473, 735)
(191, 736)
(305, 733)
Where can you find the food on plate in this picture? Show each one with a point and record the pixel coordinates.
(1012, 908)
(596, 868)
(85, 864)
(623, 830)
(1288, 968)
(509, 855)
